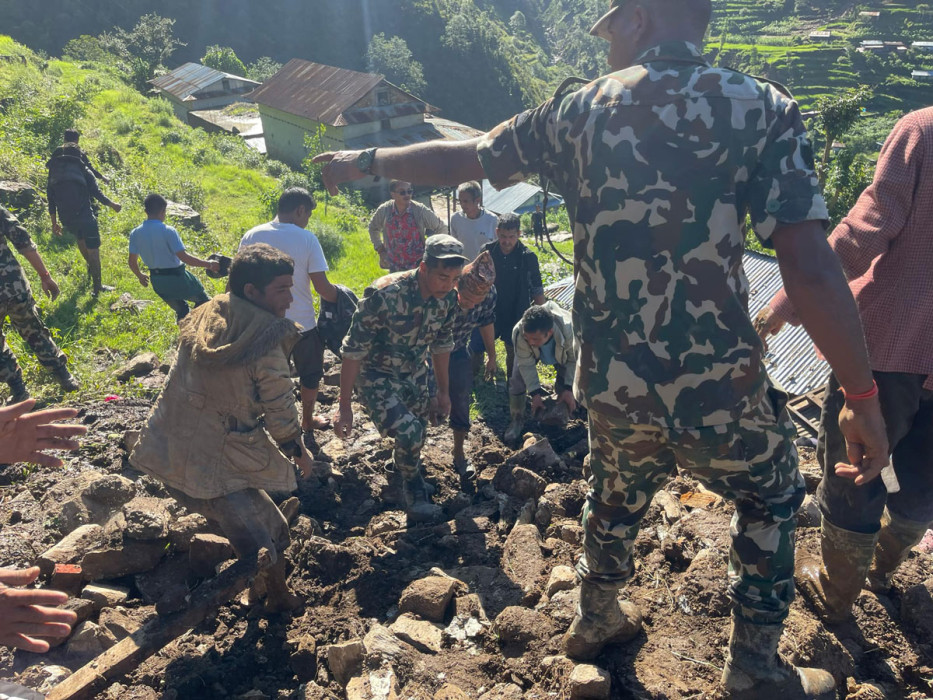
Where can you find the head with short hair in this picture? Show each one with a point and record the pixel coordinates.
(154, 204)
(401, 192)
(507, 231)
(537, 319)
(509, 222)
(295, 197)
(470, 197)
(72, 135)
(258, 265)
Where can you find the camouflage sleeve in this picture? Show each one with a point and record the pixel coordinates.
(523, 145)
(784, 188)
(14, 232)
(444, 342)
(369, 318)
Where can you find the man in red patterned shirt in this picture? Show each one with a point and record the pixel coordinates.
(399, 228)
(885, 246)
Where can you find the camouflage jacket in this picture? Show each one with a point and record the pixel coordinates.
(394, 328)
(480, 315)
(13, 283)
(659, 164)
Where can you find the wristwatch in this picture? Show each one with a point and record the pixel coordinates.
(364, 161)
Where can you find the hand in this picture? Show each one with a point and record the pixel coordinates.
(214, 266)
(442, 408)
(491, 368)
(567, 397)
(867, 447)
(143, 279)
(343, 421)
(50, 287)
(115, 206)
(56, 228)
(304, 463)
(339, 167)
(537, 403)
(24, 437)
(384, 259)
(25, 615)
(767, 323)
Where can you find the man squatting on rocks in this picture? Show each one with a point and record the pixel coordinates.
(399, 228)
(18, 304)
(225, 429)
(884, 245)
(658, 183)
(402, 318)
(290, 235)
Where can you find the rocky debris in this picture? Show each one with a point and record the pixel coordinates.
(523, 560)
(589, 682)
(345, 659)
(424, 636)
(147, 518)
(562, 578)
(381, 684)
(116, 560)
(470, 605)
(105, 596)
(518, 627)
(864, 691)
(303, 658)
(383, 646)
(16, 195)
(184, 215)
(118, 622)
(181, 531)
(703, 588)
(88, 640)
(428, 598)
(917, 607)
(110, 490)
(312, 691)
(538, 457)
(205, 552)
(43, 677)
(72, 548)
(669, 505)
(503, 691)
(449, 691)
(138, 366)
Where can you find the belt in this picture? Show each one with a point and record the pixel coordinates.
(157, 271)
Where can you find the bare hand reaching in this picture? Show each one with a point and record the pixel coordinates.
(27, 615)
(339, 167)
(24, 437)
(867, 447)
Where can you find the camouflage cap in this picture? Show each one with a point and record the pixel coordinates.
(601, 28)
(443, 247)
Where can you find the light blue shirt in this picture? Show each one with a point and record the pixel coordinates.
(157, 244)
(549, 352)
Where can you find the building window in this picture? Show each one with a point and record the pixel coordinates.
(383, 97)
(386, 124)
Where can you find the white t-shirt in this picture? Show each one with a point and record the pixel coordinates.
(473, 233)
(303, 247)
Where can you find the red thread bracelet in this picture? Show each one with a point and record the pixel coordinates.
(870, 394)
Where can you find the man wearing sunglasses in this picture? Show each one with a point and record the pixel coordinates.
(400, 226)
(660, 162)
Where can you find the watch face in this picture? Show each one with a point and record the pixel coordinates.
(365, 161)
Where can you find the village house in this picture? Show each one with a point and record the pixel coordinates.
(876, 46)
(922, 75)
(192, 87)
(925, 46)
(343, 109)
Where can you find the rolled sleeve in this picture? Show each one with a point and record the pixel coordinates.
(368, 320)
(525, 361)
(518, 147)
(445, 336)
(276, 393)
(784, 188)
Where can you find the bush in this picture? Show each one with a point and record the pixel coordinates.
(331, 240)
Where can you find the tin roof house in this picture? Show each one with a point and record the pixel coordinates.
(192, 87)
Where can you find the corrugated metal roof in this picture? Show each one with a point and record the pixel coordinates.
(326, 94)
(520, 198)
(190, 78)
(791, 360)
(430, 130)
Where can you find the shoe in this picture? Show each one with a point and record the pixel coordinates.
(465, 468)
(755, 671)
(897, 537)
(66, 378)
(517, 415)
(831, 583)
(601, 619)
(417, 506)
(18, 390)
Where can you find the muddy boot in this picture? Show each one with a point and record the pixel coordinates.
(897, 537)
(279, 597)
(418, 507)
(65, 378)
(833, 582)
(755, 671)
(18, 390)
(517, 413)
(93, 269)
(464, 467)
(601, 619)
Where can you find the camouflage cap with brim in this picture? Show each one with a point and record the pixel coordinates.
(601, 28)
(443, 247)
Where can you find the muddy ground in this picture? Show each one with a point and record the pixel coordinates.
(351, 558)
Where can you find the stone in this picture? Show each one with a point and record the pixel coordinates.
(669, 504)
(518, 482)
(111, 490)
(503, 691)
(131, 439)
(146, 518)
(571, 533)
(206, 552)
(72, 548)
(537, 457)
(380, 684)
(470, 605)
(184, 215)
(382, 645)
(181, 531)
(16, 195)
(449, 691)
(118, 560)
(562, 578)
(118, 623)
(428, 598)
(345, 659)
(303, 659)
(809, 514)
(105, 596)
(82, 607)
(67, 578)
(520, 627)
(138, 366)
(43, 677)
(424, 636)
(588, 682)
(89, 640)
(522, 559)
(917, 607)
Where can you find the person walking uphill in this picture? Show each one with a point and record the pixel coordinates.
(402, 318)
(658, 183)
(399, 228)
(885, 245)
(225, 429)
(17, 303)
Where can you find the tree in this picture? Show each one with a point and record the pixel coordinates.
(262, 69)
(518, 22)
(224, 59)
(392, 58)
(148, 46)
(86, 48)
(835, 115)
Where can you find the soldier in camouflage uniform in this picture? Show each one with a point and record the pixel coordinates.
(659, 163)
(402, 318)
(17, 303)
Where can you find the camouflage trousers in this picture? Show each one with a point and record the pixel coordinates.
(752, 462)
(399, 408)
(24, 317)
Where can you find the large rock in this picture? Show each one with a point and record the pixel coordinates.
(424, 636)
(519, 627)
(562, 578)
(146, 518)
(206, 552)
(118, 622)
(181, 531)
(383, 646)
(110, 490)
(522, 560)
(303, 658)
(589, 683)
(16, 195)
(183, 215)
(538, 456)
(917, 607)
(518, 482)
(138, 366)
(345, 659)
(122, 560)
(428, 598)
(380, 684)
(89, 640)
(72, 548)
(105, 596)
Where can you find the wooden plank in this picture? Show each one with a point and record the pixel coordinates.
(132, 651)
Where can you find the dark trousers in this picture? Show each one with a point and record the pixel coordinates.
(908, 414)
(461, 388)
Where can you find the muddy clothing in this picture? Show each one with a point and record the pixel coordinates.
(18, 304)
(403, 235)
(392, 333)
(564, 355)
(227, 404)
(518, 282)
(659, 164)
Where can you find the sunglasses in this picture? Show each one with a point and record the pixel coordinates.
(404, 191)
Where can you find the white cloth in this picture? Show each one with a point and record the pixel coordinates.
(303, 247)
(473, 233)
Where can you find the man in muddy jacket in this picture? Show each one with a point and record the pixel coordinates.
(544, 334)
(225, 429)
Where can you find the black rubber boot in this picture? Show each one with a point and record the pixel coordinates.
(18, 390)
(418, 507)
